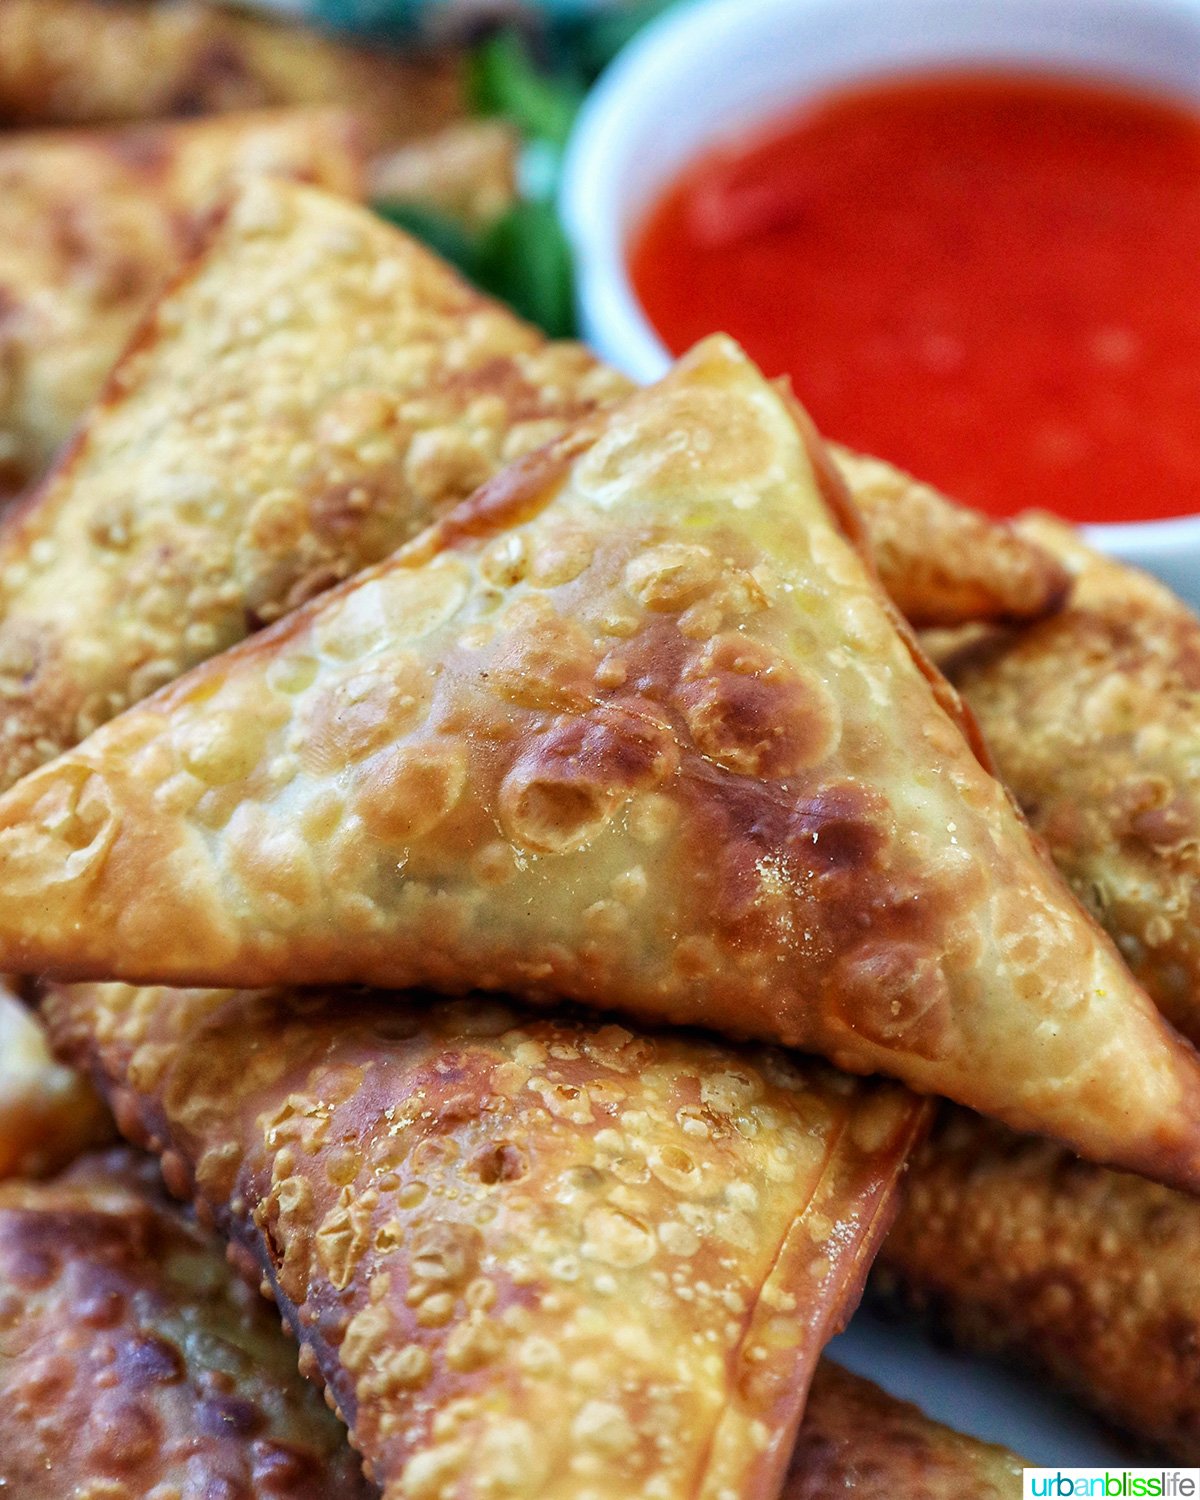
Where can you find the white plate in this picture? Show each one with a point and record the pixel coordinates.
(978, 1397)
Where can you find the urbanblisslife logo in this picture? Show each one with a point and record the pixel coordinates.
(1111, 1484)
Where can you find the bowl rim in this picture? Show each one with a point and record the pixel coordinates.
(610, 313)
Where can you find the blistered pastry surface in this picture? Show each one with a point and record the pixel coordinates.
(96, 222)
(633, 726)
(530, 1256)
(134, 1363)
(311, 393)
(1094, 719)
(1012, 1246)
(942, 563)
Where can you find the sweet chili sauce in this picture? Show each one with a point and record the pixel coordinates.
(993, 281)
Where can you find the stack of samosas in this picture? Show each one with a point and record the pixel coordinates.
(495, 837)
(124, 124)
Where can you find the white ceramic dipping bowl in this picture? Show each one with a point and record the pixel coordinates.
(711, 68)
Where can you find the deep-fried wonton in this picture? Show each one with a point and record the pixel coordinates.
(944, 564)
(1094, 719)
(527, 1255)
(857, 1441)
(89, 62)
(133, 1363)
(1012, 1246)
(47, 1113)
(96, 222)
(633, 726)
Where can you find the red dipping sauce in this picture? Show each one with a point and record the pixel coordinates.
(993, 281)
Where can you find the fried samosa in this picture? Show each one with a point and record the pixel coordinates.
(132, 1361)
(1094, 720)
(95, 222)
(96, 62)
(633, 726)
(304, 399)
(1011, 1246)
(48, 1113)
(944, 564)
(262, 441)
(526, 1255)
(858, 1441)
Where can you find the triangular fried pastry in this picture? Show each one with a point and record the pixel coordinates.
(1094, 719)
(308, 395)
(136, 202)
(858, 1441)
(264, 440)
(134, 1363)
(942, 563)
(527, 1255)
(48, 1113)
(97, 62)
(1011, 1246)
(634, 726)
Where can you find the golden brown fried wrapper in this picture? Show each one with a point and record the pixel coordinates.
(305, 398)
(1094, 719)
(857, 1440)
(133, 1362)
(527, 1255)
(48, 1114)
(95, 222)
(633, 726)
(1012, 1246)
(468, 170)
(944, 564)
(89, 62)
(314, 391)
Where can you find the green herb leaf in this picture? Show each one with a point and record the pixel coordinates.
(504, 80)
(524, 260)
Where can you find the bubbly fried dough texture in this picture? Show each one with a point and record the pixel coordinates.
(1011, 1246)
(857, 1440)
(95, 222)
(90, 62)
(48, 1114)
(633, 726)
(945, 564)
(307, 397)
(467, 170)
(133, 1361)
(1094, 719)
(528, 1256)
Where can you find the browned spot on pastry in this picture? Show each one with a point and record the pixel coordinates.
(563, 789)
(133, 1361)
(405, 791)
(755, 714)
(893, 993)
